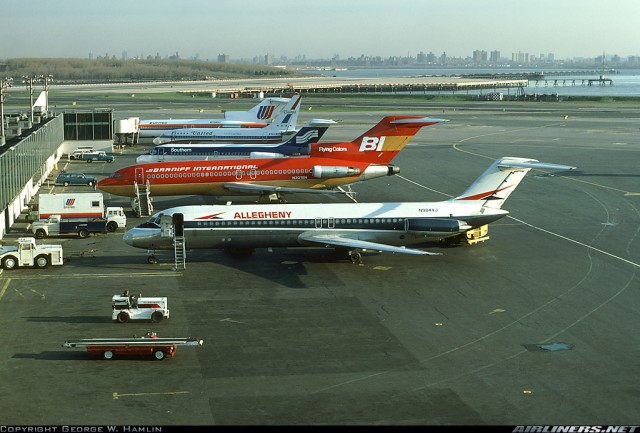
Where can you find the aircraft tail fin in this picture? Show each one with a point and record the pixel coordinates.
(264, 112)
(309, 133)
(380, 144)
(285, 118)
(42, 104)
(501, 178)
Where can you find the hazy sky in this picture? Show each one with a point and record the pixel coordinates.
(318, 28)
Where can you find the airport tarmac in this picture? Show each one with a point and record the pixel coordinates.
(536, 326)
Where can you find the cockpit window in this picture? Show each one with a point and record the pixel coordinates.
(149, 225)
(115, 175)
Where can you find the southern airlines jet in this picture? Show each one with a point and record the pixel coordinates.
(257, 117)
(298, 144)
(351, 227)
(329, 166)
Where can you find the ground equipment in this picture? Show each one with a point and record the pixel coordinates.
(148, 345)
(125, 308)
(28, 253)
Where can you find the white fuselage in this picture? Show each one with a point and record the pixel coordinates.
(280, 225)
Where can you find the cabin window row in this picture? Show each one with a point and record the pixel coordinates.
(320, 222)
(225, 173)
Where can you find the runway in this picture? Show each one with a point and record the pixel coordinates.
(536, 326)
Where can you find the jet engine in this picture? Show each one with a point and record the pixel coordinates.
(328, 171)
(266, 155)
(437, 226)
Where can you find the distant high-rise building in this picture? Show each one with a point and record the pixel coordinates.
(223, 58)
(268, 59)
(494, 57)
(479, 56)
(520, 57)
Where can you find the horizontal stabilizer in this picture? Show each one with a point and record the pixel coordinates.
(507, 163)
(417, 121)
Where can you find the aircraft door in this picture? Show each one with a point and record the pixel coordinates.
(239, 174)
(166, 226)
(253, 174)
(325, 222)
(139, 175)
(178, 223)
(26, 255)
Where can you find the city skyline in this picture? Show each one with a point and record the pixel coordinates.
(321, 30)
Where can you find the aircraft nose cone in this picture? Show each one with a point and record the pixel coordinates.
(128, 238)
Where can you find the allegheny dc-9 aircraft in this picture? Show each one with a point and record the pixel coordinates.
(328, 167)
(259, 116)
(349, 227)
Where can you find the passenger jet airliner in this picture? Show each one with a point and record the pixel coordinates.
(257, 117)
(296, 145)
(329, 166)
(351, 227)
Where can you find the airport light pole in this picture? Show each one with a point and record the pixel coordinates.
(47, 80)
(4, 84)
(29, 80)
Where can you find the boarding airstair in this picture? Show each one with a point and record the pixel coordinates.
(179, 251)
(142, 202)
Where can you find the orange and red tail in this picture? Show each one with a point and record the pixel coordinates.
(380, 144)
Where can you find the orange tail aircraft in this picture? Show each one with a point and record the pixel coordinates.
(329, 167)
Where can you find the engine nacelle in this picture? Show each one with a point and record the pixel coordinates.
(329, 171)
(437, 226)
(265, 155)
(374, 171)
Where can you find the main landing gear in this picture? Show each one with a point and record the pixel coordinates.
(354, 255)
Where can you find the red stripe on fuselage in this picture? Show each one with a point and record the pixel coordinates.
(484, 194)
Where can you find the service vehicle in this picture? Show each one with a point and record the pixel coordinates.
(97, 156)
(70, 178)
(125, 308)
(56, 225)
(85, 206)
(80, 150)
(148, 345)
(28, 253)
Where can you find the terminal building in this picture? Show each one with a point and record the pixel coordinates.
(31, 149)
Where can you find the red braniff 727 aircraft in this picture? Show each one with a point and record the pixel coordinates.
(328, 167)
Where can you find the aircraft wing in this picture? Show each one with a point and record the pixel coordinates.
(259, 188)
(340, 240)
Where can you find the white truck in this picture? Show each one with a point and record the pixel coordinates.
(82, 206)
(125, 308)
(28, 253)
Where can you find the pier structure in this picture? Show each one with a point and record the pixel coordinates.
(601, 81)
(410, 85)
